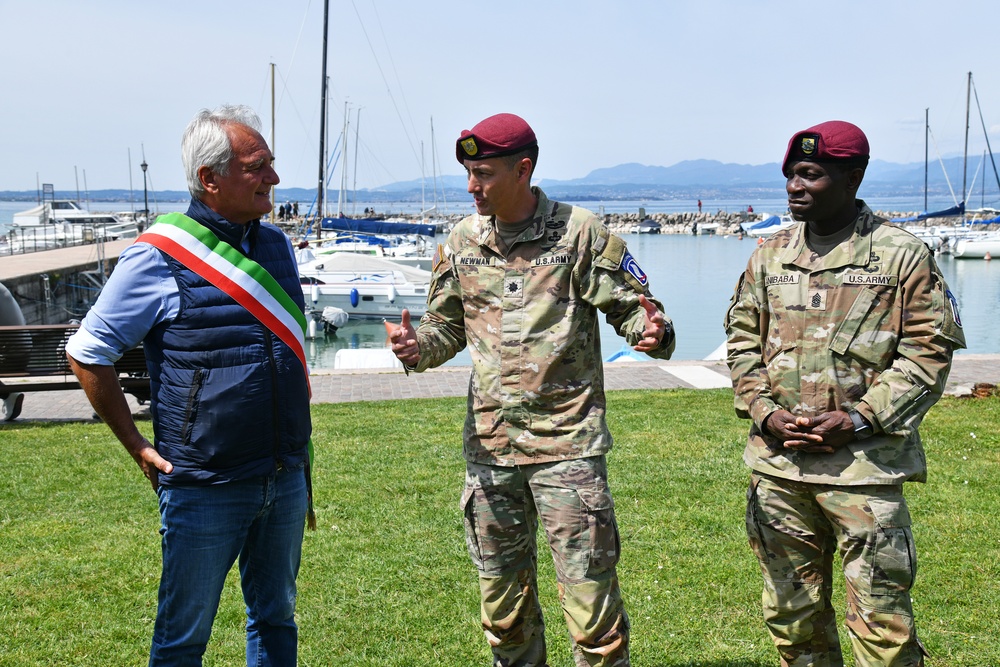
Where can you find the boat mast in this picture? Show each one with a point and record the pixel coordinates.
(131, 202)
(322, 125)
(342, 193)
(434, 171)
(927, 130)
(273, 142)
(965, 158)
(354, 188)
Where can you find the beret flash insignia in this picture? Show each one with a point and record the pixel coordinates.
(469, 146)
(808, 145)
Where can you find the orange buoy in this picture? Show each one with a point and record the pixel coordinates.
(987, 257)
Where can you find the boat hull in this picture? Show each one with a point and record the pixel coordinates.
(370, 302)
(977, 248)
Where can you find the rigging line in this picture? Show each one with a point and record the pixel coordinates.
(388, 90)
(395, 72)
(295, 49)
(943, 170)
(263, 92)
(986, 135)
(972, 185)
(298, 114)
(437, 158)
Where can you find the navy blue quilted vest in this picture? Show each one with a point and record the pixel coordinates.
(229, 399)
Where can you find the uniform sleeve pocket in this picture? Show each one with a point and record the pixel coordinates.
(861, 333)
(893, 559)
(605, 545)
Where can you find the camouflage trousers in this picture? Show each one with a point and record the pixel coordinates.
(503, 506)
(796, 529)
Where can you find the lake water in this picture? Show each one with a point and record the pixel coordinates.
(693, 276)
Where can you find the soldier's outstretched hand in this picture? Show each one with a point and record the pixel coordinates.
(655, 327)
(403, 340)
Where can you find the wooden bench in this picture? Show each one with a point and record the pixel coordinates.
(33, 358)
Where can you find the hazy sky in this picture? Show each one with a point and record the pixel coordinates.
(602, 83)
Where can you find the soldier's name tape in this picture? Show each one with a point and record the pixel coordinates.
(846, 279)
(544, 260)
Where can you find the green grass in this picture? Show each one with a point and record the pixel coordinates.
(386, 580)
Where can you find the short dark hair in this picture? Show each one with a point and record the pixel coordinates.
(531, 152)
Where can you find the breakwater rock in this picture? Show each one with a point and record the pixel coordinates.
(717, 223)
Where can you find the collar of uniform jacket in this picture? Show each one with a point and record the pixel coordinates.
(856, 252)
(543, 213)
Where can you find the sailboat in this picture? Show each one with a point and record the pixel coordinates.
(362, 285)
(945, 238)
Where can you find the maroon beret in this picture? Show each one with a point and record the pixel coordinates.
(502, 134)
(830, 141)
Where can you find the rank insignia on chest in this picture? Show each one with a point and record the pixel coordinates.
(816, 300)
(632, 266)
(512, 286)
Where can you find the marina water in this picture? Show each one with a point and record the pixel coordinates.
(694, 277)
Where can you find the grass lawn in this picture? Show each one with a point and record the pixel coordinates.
(386, 580)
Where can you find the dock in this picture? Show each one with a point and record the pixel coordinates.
(57, 285)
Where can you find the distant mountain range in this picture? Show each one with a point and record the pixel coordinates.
(690, 179)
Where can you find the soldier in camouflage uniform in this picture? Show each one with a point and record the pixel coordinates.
(521, 283)
(840, 338)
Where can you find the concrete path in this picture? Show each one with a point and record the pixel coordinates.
(349, 386)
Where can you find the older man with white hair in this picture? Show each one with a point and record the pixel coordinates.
(214, 297)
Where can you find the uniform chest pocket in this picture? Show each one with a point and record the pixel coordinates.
(781, 337)
(866, 332)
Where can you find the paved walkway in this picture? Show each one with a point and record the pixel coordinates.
(390, 385)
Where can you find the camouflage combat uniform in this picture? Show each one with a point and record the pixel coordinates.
(535, 434)
(871, 326)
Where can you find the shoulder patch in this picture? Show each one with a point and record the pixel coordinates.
(439, 258)
(631, 266)
(954, 308)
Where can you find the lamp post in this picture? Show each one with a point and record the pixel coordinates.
(145, 201)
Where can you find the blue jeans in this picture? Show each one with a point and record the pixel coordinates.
(204, 530)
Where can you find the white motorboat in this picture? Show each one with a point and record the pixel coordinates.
(411, 251)
(978, 247)
(364, 286)
(648, 226)
(58, 223)
(767, 225)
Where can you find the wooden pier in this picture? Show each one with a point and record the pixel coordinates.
(52, 286)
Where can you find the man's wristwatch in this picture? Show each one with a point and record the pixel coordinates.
(862, 429)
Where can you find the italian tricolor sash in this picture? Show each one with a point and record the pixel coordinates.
(222, 265)
(246, 281)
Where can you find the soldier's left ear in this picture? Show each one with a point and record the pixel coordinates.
(524, 168)
(854, 178)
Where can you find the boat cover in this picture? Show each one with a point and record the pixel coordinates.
(772, 221)
(946, 213)
(362, 264)
(372, 226)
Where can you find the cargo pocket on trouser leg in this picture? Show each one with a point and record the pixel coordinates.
(468, 507)
(604, 542)
(880, 613)
(753, 520)
(893, 561)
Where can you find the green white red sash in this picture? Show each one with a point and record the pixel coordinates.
(225, 267)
